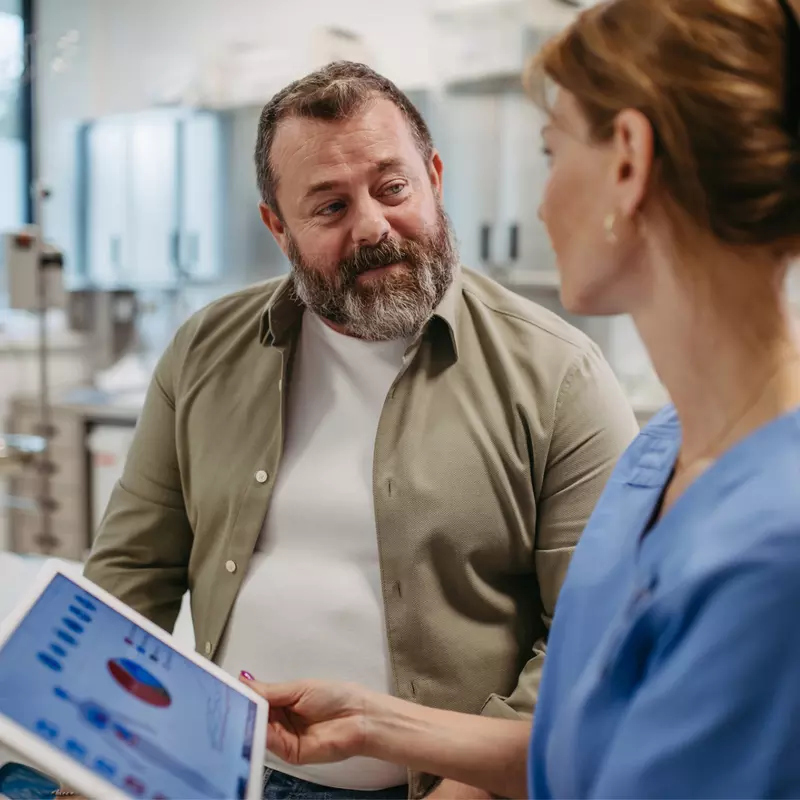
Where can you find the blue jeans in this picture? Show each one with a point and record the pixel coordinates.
(278, 786)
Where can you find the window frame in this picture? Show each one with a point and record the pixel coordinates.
(27, 99)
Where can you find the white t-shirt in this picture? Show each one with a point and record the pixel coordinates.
(311, 605)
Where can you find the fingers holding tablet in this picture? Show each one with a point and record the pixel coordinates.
(314, 722)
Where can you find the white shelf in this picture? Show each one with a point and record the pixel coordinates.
(538, 13)
(456, 10)
(523, 279)
(480, 40)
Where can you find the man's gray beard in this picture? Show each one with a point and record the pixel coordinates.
(395, 306)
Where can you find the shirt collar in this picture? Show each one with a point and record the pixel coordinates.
(284, 310)
(447, 311)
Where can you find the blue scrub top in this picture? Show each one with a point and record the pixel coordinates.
(673, 664)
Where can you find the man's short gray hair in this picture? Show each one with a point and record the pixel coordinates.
(336, 92)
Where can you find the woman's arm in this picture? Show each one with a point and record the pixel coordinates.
(479, 751)
(316, 722)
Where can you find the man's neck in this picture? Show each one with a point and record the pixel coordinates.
(334, 326)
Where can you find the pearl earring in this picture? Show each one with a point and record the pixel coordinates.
(608, 225)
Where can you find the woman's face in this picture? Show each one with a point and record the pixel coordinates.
(588, 188)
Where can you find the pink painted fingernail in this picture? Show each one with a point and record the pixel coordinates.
(246, 675)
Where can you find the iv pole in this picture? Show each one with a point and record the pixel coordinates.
(38, 195)
(18, 452)
(47, 260)
(43, 465)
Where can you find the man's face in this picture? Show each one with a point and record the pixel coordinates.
(362, 221)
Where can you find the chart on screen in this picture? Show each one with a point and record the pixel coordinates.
(114, 698)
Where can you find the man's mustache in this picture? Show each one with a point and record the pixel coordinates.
(368, 257)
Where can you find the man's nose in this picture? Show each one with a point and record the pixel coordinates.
(370, 226)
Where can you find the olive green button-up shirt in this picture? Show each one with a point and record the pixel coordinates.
(493, 446)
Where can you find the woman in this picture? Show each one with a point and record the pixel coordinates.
(673, 666)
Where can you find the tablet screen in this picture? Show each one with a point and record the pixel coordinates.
(80, 675)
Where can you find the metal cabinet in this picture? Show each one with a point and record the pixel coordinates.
(200, 153)
(522, 178)
(107, 245)
(467, 132)
(152, 195)
(495, 174)
(494, 180)
(153, 199)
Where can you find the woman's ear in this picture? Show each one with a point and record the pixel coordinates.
(633, 162)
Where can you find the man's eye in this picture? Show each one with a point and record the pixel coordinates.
(395, 188)
(331, 208)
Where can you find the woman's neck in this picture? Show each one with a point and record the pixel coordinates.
(722, 340)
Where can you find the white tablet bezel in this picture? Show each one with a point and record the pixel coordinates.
(60, 766)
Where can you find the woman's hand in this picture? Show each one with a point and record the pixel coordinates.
(313, 722)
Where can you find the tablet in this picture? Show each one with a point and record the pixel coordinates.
(109, 704)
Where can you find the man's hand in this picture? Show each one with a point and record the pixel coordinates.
(451, 790)
(314, 722)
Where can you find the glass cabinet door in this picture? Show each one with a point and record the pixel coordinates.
(200, 171)
(154, 199)
(470, 150)
(153, 185)
(521, 183)
(109, 258)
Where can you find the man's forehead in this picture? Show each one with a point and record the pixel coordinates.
(304, 148)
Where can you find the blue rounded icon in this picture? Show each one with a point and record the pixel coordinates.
(46, 729)
(80, 614)
(50, 662)
(96, 715)
(87, 604)
(66, 637)
(76, 750)
(105, 768)
(72, 625)
(62, 693)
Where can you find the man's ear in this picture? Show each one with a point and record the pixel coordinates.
(276, 227)
(435, 172)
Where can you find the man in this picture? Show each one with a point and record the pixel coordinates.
(373, 470)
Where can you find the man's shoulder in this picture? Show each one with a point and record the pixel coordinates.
(233, 314)
(245, 305)
(558, 366)
(521, 321)
(227, 328)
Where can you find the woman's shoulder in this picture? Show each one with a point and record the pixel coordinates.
(742, 517)
(650, 457)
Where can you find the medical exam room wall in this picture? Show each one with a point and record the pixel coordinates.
(133, 56)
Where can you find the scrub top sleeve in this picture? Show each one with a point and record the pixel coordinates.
(717, 713)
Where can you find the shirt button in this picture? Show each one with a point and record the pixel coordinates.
(230, 566)
(208, 648)
(262, 476)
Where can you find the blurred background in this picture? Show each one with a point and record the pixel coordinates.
(135, 120)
